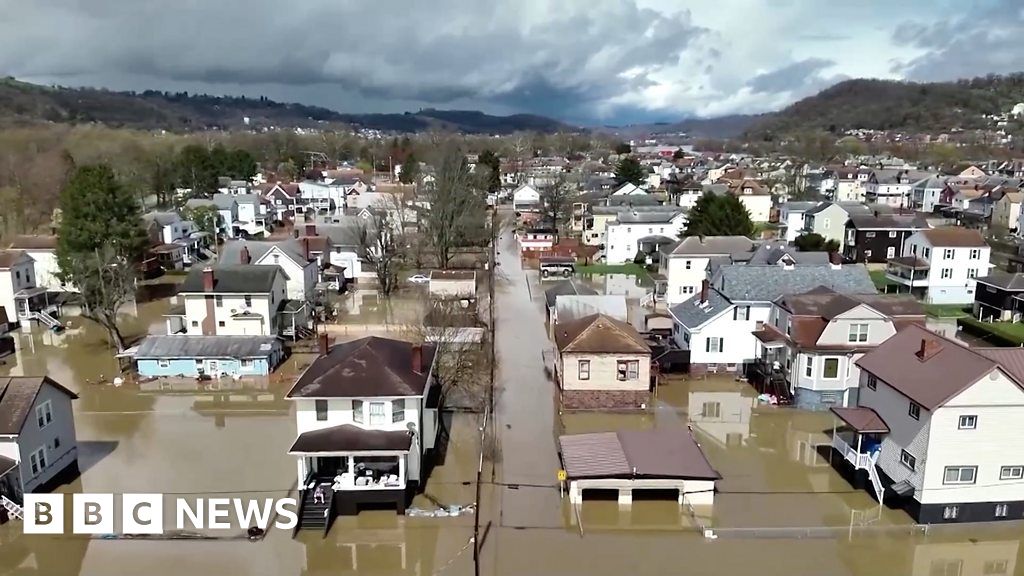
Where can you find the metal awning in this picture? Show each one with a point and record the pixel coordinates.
(128, 353)
(863, 420)
(30, 292)
(770, 338)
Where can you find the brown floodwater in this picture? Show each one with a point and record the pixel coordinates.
(781, 507)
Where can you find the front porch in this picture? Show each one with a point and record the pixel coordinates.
(910, 272)
(859, 442)
(768, 374)
(40, 305)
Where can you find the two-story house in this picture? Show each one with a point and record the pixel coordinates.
(1006, 212)
(827, 219)
(877, 238)
(38, 444)
(525, 198)
(230, 300)
(283, 200)
(252, 217)
(940, 265)
(754, 197)
(812, 341)
(893, 187)
(926, 193)
(999, 297)
(939, 428)
(687, 264)
(366, 415)
(321, 197)
(21, 298)
(791, 217)
(850, 184)
(631, 229)
(602, 363)
(43, 251)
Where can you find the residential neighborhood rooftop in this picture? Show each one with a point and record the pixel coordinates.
(17, 395)
(954, 237)
(657, 453)
(371, 366)
(232, 279)
(599, 333)
(741, 283)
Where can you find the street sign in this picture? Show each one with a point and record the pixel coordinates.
(562, 476)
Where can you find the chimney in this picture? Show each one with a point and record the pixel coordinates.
(310, 229)
(325, 344)
(208, 279)
(835, 259)
(928, 349)
(704, 291)
(245, 257)
(305, 249)
(417, 358)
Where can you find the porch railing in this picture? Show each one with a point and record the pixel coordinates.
(13, 509)
(861, 461)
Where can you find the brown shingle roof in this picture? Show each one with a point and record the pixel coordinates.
(9, 258)
(600, 334)
(812, 311)
(17, 395)
(349, 438)
(662, 452)
(954, 237)
(35, 242)
(366, 367)
(864, 420)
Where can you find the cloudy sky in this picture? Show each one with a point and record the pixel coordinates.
(586, 61)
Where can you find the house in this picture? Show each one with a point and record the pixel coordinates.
(43, 251)
(926, 193)
(602, 363)
(1006, 212)
(345, 258)
(283, 199)
(717, 327)
(366, 416)
(791, 217)
(252, 217)
(38, 444)
(850, 184)
(215, 356)
(626, 236)
(292, 255)
(571, 307)
(227, 212)
(452, 285)
(893, 187)
(827, 219)
(320, 197)
(940, 265)
(565, 287)
(812, 341)
(877, 238)
(231, 300)
(754, 197)
(176, 241)
(999, 297)
(688, 263)
(533, 239)
(20, 297)
(939, 428)
(525, 198)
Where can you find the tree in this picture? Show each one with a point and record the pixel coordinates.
(206, 219)
(382, 245)
(493, 163)
(410, 172)
(196, 171)
(812, 242)
(557, 202)
(105, 282)
(623, 148)
(630, 170)
(715, 215)
(456, 214)
(678, 154)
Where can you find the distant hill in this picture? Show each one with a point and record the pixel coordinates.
(892, 105)
(720, 127)
(24, 103)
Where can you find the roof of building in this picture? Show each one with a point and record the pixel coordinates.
(693, 313)
(233, 279)
(460, 275)
(636, 217)
(887, 222)
(35, 242)
(570, 307)
(6, 465)
(946, 369)
(863, 420)
(366, 367)
(162, 218)
(221, 201)
(828, 303)
(744, 283)
(566, 287)
(185, 346)
(349, 438)
(17, 395)
(599, 333)
(773, 252)
(294, 248)
(954, 237)
(799, 206)
(9, 258)
(1004, 280)
(657, 453)
(712, 245)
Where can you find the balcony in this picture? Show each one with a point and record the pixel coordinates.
(909, 271)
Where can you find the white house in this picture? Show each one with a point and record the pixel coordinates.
(38, 444)
(21, 298)
(292, 255)
(171, 234)
(632, 228)
(628, 189)
(231, 300)
(252, 216)
(525, 197)
(755, 198)
(940, 264)
(43, 251)
(685, 265)
(321, 197)
(791, 216)
(367, 419)
(812, 341)
(939, 428)
(926, 193)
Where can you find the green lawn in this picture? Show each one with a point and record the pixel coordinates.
(631, 268)
(878, 277)
(946, 310)
(1011, 332)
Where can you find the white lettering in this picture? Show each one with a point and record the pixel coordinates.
(217, 510)
(287, 508)
(195, 516)
(252, 514)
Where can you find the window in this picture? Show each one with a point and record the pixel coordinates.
(357, 411)
(628, 369)
(972, 272)
(995, 567)
(714, 344)
(711, 410)
(220, 323)
(975, 253)
(825, 224)
(219, 300)
(1000, 512)
(687, 264)
(890, 252)
(968, 422)
(858, 333)
(808, 366)
(1011, 473)
(947, 253)
(944, 567)
(195, 323)
(869, 234)
(248, 300)
(584, 370)
(830, 370)
(741, 313)
(908, 459)
(376, 413)
(398, 410)
(38, 461)
(926, 252)
(321, 410)
(892, 234)
(872, 382)
(950, 513)
(915, 411)
(959, 474)
(247, 363)
(163, 363)
(56, 443)
(946, 273)
(44, 414)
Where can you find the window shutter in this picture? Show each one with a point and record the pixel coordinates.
(707, 345)
(721, 344)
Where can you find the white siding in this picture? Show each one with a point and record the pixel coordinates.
(339, 412)
(682, 282)
(604, 372)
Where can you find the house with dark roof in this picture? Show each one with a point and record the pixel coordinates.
(293, 255)
(811, 342)
(38, 444)
(939, 428)
(367, 422)
(22, 299)
(940, 265)
(233, 300)
(602, 363)
(633, 230)
(999, 297)
(42, 248)
(685, 265)
(878, 237)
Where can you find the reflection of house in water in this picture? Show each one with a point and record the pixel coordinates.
(397, 549)
(626, 285)
(808, 444)
(721, 410)
(223, 398)
(981, 558)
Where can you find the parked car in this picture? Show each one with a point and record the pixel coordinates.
(419, 279)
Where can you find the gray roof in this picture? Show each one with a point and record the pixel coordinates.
(567, 287)
(887, 222)
(821, 208)
(233, 279)
(224, 201)
(1004, 280)
(636, 217)
(182, 346)
(746, 283)
(162, 218)
(771, 252)
(799, 206)
(341, 234)
(247, 198)
(713, 245)
(654, 199)
(618, 210)
(231, 251)
(694, 315)
(569, 307)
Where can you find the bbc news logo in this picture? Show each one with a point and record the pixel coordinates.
(146, 514)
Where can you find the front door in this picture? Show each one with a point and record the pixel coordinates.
(330, 466)
(213, 365)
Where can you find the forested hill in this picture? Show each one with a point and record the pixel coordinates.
(24, 103)
(892, 105)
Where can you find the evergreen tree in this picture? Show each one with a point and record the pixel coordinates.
(715, 215)
(410, 170)
(493, 163)
(630, 170)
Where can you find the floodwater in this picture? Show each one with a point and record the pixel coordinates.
(781, 507)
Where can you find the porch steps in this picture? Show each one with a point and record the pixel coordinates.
(13, 510)
(44, 318)
(315, 514)
(876, 482)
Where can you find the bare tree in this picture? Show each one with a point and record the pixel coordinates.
(558, 199)
(382, 244)
(106, 282)
(456, 213)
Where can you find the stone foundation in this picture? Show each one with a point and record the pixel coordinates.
(605, 399)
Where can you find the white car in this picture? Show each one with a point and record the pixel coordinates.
(419, 279)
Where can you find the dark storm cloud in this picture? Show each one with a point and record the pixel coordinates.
(792, 77)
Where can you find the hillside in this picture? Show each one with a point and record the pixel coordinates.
(24, 103)
(720, 127)
(891, 105)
